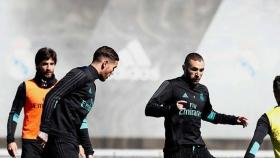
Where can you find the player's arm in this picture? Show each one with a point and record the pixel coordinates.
(84, 139)
(212, 116)
(18, 103)
(262, 129)
(72, 80)
(156, 106)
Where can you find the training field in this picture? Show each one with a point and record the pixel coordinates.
(136, 153)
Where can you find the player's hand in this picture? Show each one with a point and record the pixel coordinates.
(242, 121)
(42, 138)
(181, 104)
(81, 152)
(90, 156)
(12, 149)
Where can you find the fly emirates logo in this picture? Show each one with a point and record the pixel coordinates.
(37, 105)
(190, 110)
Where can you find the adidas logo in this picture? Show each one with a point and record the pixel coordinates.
(135, 64)
(185, 95)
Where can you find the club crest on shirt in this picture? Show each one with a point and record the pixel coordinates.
(202, 97)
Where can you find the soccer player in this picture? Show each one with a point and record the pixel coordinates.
(30, 96)
(268, 123)
(63, 123)
(183, 102)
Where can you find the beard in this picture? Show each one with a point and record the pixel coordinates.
(192, 81)
(46, 74)
(102, 78)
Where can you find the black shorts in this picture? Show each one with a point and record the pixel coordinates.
(31, 149)
(189, 152)
(58, 148)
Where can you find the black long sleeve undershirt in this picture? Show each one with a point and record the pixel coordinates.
(85, 141)
(17, 106)
(19, 102)
(73, 80)
(182, 126)
(262, 129)
(157, 106)
(212, 116)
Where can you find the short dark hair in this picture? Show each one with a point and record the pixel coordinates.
(106, 52)
(192, 56)
(276, 84)
(45, 54)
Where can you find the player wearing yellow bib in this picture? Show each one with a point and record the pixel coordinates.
(268, 123)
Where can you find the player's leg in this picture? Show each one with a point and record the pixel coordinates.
(67, 150)
(184, 152)
(57, 148)
(31, 149)
(204, 153)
